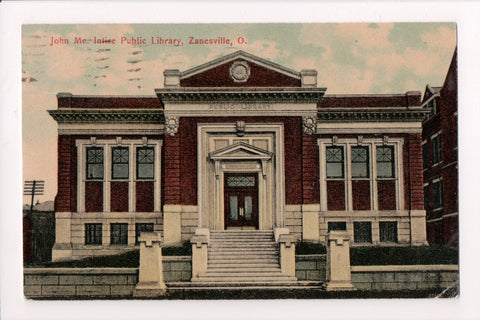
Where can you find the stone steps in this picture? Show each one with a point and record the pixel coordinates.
(248, 258)
(315, 285)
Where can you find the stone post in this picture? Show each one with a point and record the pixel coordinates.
(62, 250)
(287, 253)
(339, 277)
(199, 251)
(150, 275)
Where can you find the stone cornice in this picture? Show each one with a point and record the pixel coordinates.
(199, 95)
(144, 116)
(377, 115)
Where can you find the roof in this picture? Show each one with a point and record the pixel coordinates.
(371, 101)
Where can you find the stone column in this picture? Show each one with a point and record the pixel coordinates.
(418, 228)
(339, 277)
(199, 251)
(310, 222)
(62, 249)
(287, 253)
(150, 275)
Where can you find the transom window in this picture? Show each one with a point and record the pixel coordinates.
(145, 163)
(120, 157)
(240, 181)
(385, 162)
(95, 163)
(335, 162)
(360, 159)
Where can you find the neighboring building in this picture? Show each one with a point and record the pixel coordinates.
(238, 143)
(440, 160)
(38, 232)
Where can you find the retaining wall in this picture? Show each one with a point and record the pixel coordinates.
(119, 282)
(417, 277)
(96, 282)
(310, 267)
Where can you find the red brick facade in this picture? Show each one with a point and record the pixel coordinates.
(310, 166)
(66, 199)
(414, 173)
(181, 160)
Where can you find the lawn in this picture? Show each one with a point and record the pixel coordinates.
(359, 256)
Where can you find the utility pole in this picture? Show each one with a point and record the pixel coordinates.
(33, 188)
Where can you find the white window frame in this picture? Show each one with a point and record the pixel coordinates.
(107, 145)
(372, 144)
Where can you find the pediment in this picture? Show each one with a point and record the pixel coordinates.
(240, 151)
(240, 69)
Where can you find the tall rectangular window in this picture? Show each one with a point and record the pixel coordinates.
(438, 194)
(385, 162)
(119, 233)
(425, 198)
(142, 227)
(93, 233)
(437, 149)
(362, 232)
(425, 155)
(95, 163)
(388, 231)
(145, 163)
(360, 160)
(335, 162)
(433, 105)
(120, 157)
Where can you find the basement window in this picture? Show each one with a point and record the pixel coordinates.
(362, 232)
(388, 231)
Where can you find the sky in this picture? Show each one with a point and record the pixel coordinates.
(366, 58)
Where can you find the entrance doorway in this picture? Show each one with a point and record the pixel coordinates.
(241, 200)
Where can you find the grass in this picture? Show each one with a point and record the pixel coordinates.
(370, 256)
(310, 248)
(359, 256)
(130, 259)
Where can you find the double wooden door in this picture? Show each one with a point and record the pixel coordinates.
(241, 200)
